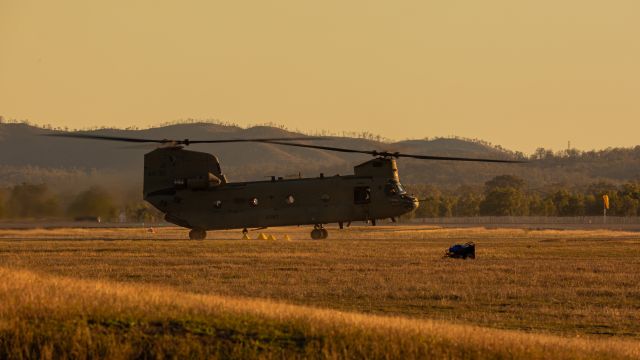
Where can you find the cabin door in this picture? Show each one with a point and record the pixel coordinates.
(362, 201)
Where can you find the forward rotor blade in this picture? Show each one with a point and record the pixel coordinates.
(393, 154)
(428, 157)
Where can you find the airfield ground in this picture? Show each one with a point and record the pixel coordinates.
(365, 291)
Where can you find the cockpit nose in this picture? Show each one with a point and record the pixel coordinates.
(411, 202)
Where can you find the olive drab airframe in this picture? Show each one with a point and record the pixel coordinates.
(190, 188)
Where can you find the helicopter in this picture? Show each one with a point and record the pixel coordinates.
(190, 189)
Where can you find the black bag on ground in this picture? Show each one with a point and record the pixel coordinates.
(459, 251)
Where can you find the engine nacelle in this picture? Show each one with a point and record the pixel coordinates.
(380, 167)
(203, 183)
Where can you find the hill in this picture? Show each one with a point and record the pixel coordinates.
(26, 155)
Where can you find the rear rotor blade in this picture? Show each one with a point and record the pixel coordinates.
(251, 140)
(176, 142)
(329, 148)
(393, 154)
(111, 138)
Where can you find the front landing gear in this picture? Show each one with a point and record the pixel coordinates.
(319, 232)
(197, 234)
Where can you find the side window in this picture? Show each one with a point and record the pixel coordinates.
(361, 195)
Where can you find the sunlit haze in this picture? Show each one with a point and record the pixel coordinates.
(522, 74)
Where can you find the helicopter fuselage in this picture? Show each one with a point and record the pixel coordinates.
(284, 202)
(203, 199)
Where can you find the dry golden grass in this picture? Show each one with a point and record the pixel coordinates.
(559, 283)
(52, 317)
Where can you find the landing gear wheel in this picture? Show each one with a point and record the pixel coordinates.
(197, 234)
(316, 234)
(319, 232)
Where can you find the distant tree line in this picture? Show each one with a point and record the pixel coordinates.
(508, 195)
(38, 201)
(504, 195)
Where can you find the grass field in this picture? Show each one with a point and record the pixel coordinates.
(536, 294)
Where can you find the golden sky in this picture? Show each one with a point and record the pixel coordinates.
(521, 74)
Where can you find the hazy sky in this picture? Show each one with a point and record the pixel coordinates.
(521, 74)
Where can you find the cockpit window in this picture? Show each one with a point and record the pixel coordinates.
(394, 188)
(390, 190)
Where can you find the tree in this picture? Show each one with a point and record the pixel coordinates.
(143, 212)
(504, 196)
(430, 201)
(539, 153)
(594, 202)
(542, 154)
(568, 204)
(468, 203)
(2, 210)
(548, 208)
(539, 206)
(627, 206)
(629, 199)
(504, 201)
(31, 201)
(93, 202)
(429, 206)
(446, 206)
(504, 181)
(576, 206)
(592, 205)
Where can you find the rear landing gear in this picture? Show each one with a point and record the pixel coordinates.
(197, 234)
(319, 232)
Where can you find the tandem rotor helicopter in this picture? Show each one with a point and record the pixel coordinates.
(191, 190)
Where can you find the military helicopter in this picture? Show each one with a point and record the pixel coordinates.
(191, 190)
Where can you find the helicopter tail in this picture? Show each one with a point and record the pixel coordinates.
(170, 169)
